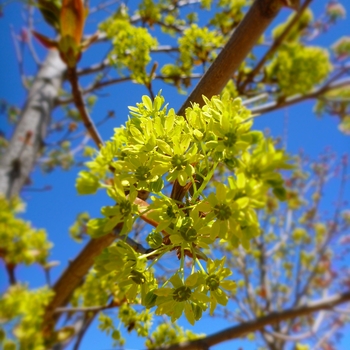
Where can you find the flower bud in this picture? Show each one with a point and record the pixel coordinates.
(154, 240)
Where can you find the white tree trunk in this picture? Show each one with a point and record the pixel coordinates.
(30, 132)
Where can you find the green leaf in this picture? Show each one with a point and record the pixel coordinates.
(221, 297)
(176, 281)
(241, 180)
(242, 202)
(191, 280)
(170, 119)
(201, 297)
(165, 147)
(163, 292)
(182, 177)
(176, 239)
(147, 102)
(228, 285)
(95, 227)
(112, 223)
(189, 314)
(220, 192)
(156, 186)
(150, 300)
(177, 311)
(119, 189)
(160, 169)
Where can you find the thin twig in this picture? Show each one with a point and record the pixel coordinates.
(272, 106)
(19, 58)
(278, 41)
(297, 337)
(327, 240)
(60, 310)
(100, 84)
(86, 324)
(79, 103)
(30, 37)
(235, 51)
(10, 268)
(328, 334)
(102, 6)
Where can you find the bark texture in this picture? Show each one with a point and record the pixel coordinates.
(245, 36)
(28, 139)
(260, 322)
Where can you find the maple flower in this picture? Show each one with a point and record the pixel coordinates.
(184, 296)
(216, 284)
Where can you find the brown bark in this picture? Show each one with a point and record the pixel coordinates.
(252, 326)
(254, 24)
(75, 272)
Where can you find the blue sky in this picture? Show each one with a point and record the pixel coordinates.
(55, 210)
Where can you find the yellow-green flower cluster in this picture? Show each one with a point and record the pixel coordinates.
(156, 148)
(27, 308)
(230, 15)
(196, 46)
(131, 46)
(20, 243)
(150, 12)
(297, 69)
(168, 334)
(298, 29)
(342, 47)
(126, 268)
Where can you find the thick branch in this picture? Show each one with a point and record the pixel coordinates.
(28, 138)
(252, 326)
(276, 44)
(235, 51)
(78, 268)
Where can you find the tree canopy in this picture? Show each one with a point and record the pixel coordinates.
(189, 208)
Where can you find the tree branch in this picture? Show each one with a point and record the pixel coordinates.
(79, 103)
(321, 251)
(112, 304)
(272, 106)
(235, 51)
(298, 337)
(74, 274)
(252, 326)
(79, 267)
(328, 334)
(100, 84)
(107, 64)
(274, 46)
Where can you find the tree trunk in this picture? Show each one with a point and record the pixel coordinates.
(30, 132)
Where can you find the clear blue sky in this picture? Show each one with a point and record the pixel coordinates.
(55, 210)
